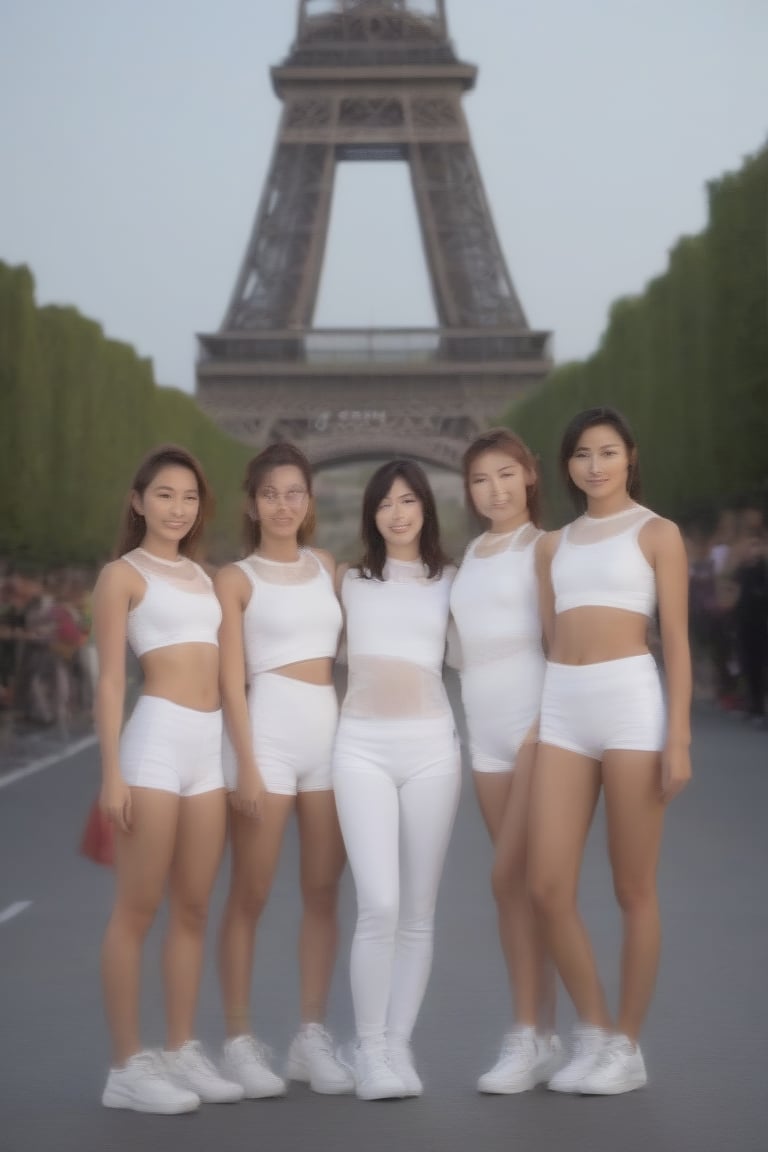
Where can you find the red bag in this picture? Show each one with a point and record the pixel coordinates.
(98, 839)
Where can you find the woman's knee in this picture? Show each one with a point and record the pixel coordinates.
(320, 899)
(550, 895)
(508, 881)
(635, 895)
(135, 916)
(189, 913)
(377, 917)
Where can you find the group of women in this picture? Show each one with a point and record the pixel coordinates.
(561, 696)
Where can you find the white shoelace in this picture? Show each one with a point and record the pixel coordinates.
(260, 1052)
(195, 1058)
(517, 1042)
(150, 1062)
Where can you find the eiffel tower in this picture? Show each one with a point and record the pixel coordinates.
(370, 80)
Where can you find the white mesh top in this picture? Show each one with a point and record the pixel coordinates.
(292, 614)
(396, 634)
(599, 563)
(179, 605)
(494, 598)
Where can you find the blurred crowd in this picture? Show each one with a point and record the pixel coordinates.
(47, 656)
(48, 661)
(728, 600)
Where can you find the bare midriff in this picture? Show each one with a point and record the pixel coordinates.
(593, 635)
(316, 671)
(185, 674)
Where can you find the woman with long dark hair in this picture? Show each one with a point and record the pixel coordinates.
(604, 724)
(162, 781)
(495, 607)
(396, 767)
(279, 635)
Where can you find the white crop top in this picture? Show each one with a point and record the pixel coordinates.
(292, 615)
(396, 633)
(598, 563)
(178, 607)
(495, 597)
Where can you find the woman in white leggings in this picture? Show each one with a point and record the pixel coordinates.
(396, 768)
(495, 606)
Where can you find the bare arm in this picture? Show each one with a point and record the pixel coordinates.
(115, 590)
(546, 546)
(662, 538)
(234, 591)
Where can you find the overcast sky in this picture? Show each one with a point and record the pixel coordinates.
(136, 135)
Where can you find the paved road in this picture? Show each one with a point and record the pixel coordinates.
(706, 1042)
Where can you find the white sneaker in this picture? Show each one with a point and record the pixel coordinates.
(245, 1060)
(312, 1060)
(143, 1085)
(189, 1067)
(401, 1061)
(527, 1058)
(587, 1042)
(375, 1078)
(619, 1067)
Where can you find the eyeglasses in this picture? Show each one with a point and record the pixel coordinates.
(292, 496)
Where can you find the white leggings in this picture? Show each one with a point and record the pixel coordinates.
(397, 787)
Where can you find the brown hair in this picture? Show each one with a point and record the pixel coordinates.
(371, 565)
(134, 527)
(592, 418)
(275, 456)
(506, 441)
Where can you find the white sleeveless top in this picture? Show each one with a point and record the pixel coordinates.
(495, 597)
(599, 563)
(178, 607)
(292, 614)
(396, 633)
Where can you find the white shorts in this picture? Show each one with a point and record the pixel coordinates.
(595, 708)
(172, 748)
(501, 701)
(293, 725)
(401, 749)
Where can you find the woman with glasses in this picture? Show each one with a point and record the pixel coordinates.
(279, 634)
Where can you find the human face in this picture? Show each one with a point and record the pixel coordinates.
(497, 484)
(399, 519)
(170, 505)
(599, 467)
(281, 503)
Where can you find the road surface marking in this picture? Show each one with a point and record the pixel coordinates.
(14, 910)
(46, 761)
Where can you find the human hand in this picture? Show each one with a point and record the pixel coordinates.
(248, 797)
(675, 770)
(115, 803)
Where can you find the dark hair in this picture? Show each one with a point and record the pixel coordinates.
(506, 441)
(134, 527)
(591, 418)
(375, 550)
(275, 456)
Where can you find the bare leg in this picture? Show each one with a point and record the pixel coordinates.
(142, 862)
(635, 814)
(199, 846)
(322, 863)
(531, 974)
(255, 853)
(564, 794)
(492, 790)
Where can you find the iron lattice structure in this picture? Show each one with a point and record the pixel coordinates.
(370, 80)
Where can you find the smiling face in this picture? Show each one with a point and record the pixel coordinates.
(170, 505)
(600, 465)
(281, 502)
(498, 485)
(399, 519)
